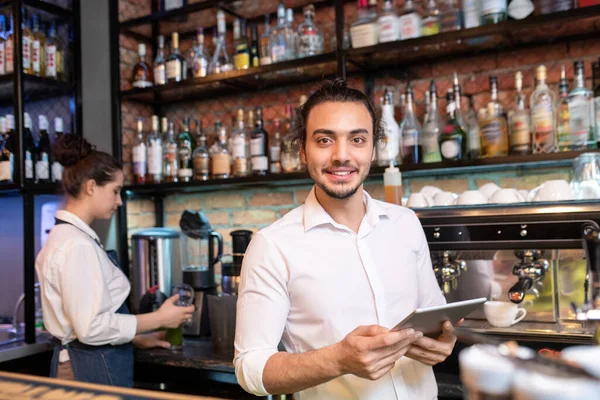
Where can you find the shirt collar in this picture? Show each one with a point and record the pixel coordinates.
(75, 220)
(315, 214)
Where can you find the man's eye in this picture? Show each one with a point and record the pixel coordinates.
(324, 140)
(358, 140)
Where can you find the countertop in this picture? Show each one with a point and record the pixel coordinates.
(13, 351)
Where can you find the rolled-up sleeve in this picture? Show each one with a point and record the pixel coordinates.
(95, 322)
(262, 309)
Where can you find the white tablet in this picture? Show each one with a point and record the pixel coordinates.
(429, 320)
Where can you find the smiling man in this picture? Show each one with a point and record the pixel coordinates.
(331, 278)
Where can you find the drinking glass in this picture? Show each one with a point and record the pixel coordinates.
(186, 299)
(586, 176)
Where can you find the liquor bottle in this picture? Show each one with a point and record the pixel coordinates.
(473, 133)
(29, 149)
(450, 17)
(44, 153)
(580, 111)
(552, 6)
(5, 164)
(265, 49)
(453, 140)
(520, 135)
(275, 149)
(219, 155)
(278, 39)
(457, 99)
(427, 105)
(363, 30)
(57, 169)
(254, 53)
(431, 23)
(470, 14)
(259, 146)
(494, 127)
(54, 55)
(241, 57)
(291, 35)
(412, 147)
(176, 68)
(154, 154)
(388, 150)
(189, 58)
(170, 153)
(10, 133)
(240, 150)
(310, 37)
(220, 60)
(185, 146)
(38, 48)
(410, 21)
(27, 43)
(492, 11)
(168, 5)
(160, 69)
(10, 47)
(543, 115)
(138, 155)
(562, 113)
(142, 72)
(387, 24)
(236, 34)
(201, 157)
(2, 45)
(201, 60)
(432, 129)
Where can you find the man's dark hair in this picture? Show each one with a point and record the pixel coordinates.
(336, 91)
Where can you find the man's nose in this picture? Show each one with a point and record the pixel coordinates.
(341, 151)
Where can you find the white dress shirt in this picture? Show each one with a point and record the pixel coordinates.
(309, 281)
(81, 288)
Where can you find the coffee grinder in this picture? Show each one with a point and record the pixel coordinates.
(240, 239)
(199, 257)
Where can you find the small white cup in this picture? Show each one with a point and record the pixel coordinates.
(430, 191)
(524, 194)
(587, 190)
(555, 190)
(471, 197)
(503, 314)
(444, 199)
(506, 196)
(418, 200)
(489, 189)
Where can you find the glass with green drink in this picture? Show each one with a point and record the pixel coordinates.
(186, 298)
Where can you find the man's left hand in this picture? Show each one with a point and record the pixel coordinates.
(150, 340)
(434, 351)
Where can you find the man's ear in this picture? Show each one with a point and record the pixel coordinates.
(302, 153)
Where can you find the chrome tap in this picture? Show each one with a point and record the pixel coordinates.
(15, 321)
(530, 270)
(447, 269)
(590, 310)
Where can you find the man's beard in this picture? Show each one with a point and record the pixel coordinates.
(339, 192)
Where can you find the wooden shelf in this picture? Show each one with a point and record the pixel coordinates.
(34, 88)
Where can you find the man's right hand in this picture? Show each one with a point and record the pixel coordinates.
(372, 351)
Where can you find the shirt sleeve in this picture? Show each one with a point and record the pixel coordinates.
(262, 309)
(430, 293)
(83, 290)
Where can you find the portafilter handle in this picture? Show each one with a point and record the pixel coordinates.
(590, 233)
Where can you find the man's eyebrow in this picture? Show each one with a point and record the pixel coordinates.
(330, 132)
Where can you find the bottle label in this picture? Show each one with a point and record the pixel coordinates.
(9, 56)
(450, 149)
(431, 148)
(257, 147)
(200, 67)
(57, 171)
(275, 153)
(579, 120)
(562, 127)
(310, 43)
(364, 35)
(242, 60)
(410, 26)
(174, 70)
(35, 56)
(155, 159)
(240, 166)
(51, 61)
(492, 6)
(543, 129)
(160, 76)
(491, 138)
(430, 26)
(28, 165)
(266, 60)
(173, 4)
(42, 168)
(471, 13)
(389, 28)
(520, 138)
(238, 149)
(185, 153)
(260, 163)
(221, 164)
(5, 174)
(139, 153)
(201, 166)
(409, 137)
(278, 53)
(60, 66)
(185, 173)
(26, 52)
(2, 58)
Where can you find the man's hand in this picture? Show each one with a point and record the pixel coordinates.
(149, 340)
(431, 351)
(371, 351)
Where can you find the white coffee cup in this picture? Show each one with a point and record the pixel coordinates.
(587, 190)
(489, 189)
(555, 190)
(444, 199)
(471, 197)
(524, 194)
(503, 314)
(532, 385)
(586, 356)
(506, 196)
(430, 191)
(418, 200)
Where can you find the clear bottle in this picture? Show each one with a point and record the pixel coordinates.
(142, 72)
(201, 156)
(450, 17)
(562, 113)
(457, 99)
(38, 48)
(275, 149)
(54, 55)
(494, 126)
(221, 62)
(29, 149)
(596, 86)
(518, 122)
(176, 68)
(431, 24)
(492, 11)
(219, 155)
(154, 153)
(432, 129)
(473, 133)
(363, 30)
(410, 21)
(278, 40)
(543, 115)
(3, 35)
(170, 155)
(581, 106)
(57, 168)
(241, 57)
(240, 150)
(292, 35)
(10, 47)
(388, 23)
(27, 39)
(427, 105)
(44, 150)
(160, 73)
(388, 150)
(138, 155)
(453, 140)
(411, 131)
(470, 13)
(265, 50)
(259, 146)
(392, 185)
(201, 60)
(185, 145)
(310, 37)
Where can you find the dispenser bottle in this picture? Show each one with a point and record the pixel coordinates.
(392, 185)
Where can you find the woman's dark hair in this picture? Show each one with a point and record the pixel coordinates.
(336, 91)
(83, 162)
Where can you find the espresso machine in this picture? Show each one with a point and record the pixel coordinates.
(201, 249)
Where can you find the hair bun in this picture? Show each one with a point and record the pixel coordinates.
(70, 149)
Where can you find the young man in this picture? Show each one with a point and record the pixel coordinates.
(332, 277)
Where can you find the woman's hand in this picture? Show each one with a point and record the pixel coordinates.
(150, 340)
(171, 315)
